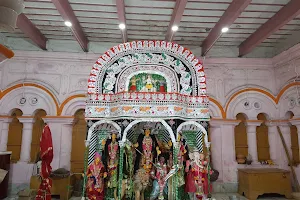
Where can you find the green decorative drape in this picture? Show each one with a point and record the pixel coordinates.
(175, 177)
(86, 153)
(120, 170)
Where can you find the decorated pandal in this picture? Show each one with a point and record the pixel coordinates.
(147, 113)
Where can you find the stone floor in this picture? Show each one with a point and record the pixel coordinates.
(216, 196)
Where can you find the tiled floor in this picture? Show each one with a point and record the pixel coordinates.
(216, 196)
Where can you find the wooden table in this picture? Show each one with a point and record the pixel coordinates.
(59, 186)
(4, 164)
(255, 182)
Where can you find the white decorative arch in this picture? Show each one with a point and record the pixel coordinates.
(44, 101)
(147, 51)
(91, 129)
(285, 102)
(163, 122)
(72, 106)
(198, 126)
(267, 105)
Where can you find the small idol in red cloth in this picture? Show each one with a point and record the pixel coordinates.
(96, 174)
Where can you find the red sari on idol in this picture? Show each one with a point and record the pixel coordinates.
(46, 154)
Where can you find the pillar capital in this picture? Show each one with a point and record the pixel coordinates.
(26, 120)
(219, 122)
(59, 119)
(5, 119)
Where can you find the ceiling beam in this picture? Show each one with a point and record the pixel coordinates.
(176, 17)
(122, 18)
(31, 31)
(67, 13)
(282, 17)
(233, 11)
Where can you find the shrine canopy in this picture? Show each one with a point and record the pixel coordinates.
(147, 79)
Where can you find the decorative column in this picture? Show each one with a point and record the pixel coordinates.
(252, 140)
(61, 130)
(229, 163)
(4, 132)
(66, 144)
(26, 138)
(273, 135)
(216, 143)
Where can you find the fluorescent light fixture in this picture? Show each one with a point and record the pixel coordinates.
(68, 24)
(122, 26)
(174, 28)
(225, 29)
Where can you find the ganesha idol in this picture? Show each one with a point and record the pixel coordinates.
(197, 184)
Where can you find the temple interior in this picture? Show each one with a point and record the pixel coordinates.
(149, 99)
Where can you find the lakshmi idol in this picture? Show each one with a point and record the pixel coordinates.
(96, 174)
(111, 149)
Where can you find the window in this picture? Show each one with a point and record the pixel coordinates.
(15, 136)
(37, 131)
(78, 137)
(262, 139)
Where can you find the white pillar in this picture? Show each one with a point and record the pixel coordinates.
(61, 131)
(26, 138)
(229, 164)
(4, 133)
(252, 140)
(216, 147)
(273, 135)
(66, 145)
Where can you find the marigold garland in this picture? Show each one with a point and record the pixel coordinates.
(6, 52)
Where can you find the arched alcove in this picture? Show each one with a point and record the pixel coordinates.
(240, 135)
(79, 133)
(28, 99)
(15, 135)
(251, 103)
(37, 131)
(262, 138)
(294, 140)
(73, 105)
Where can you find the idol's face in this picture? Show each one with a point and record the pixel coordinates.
(97, 161)
(113, 137)
(162, 160)
(196, 155)
(147, 132)
(202, 156)
(191, 155)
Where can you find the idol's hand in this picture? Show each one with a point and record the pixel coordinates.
(105, 175)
